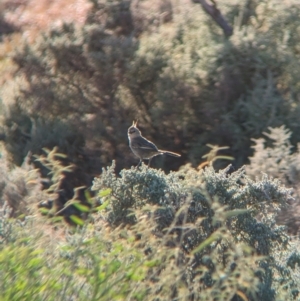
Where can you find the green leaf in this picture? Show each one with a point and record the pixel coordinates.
(105, 192)
(56, 219)
(44, 211)
(103, 206)
(224, 157)
(82, 208)
(60, 155)
(88, 197)
(152, 263)
(77, 220)
(34, 262)
(207, 242)
(236, 212)
(113, 267)
(137, 275)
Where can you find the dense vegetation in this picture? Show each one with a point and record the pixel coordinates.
(207, 231)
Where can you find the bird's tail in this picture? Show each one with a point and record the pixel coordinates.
(169, 153)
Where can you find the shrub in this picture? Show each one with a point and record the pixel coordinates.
(190, 235)
(275, 155)
(20, 186)
(221, 225)
(35, 266)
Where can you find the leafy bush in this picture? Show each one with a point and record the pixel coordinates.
(24, 190)
(275, 155)
(20, 186)
(34, 266)
(221, 225)
(190, 235)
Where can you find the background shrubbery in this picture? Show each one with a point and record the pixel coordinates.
(185, 235)
(171, 68)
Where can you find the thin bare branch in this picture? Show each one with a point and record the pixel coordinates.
(215, 13)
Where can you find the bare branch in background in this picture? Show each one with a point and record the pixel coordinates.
(215, 13)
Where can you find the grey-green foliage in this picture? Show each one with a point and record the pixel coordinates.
(20, 186)
(257, 64)
(275, 155)
(196, 206)
(5, 226)
(24, 135)
(135, 189)
(256, 110)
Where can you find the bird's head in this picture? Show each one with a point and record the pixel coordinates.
(133, 131)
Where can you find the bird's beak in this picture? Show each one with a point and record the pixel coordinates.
(134, 123)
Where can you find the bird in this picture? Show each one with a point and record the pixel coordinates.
(143, 148)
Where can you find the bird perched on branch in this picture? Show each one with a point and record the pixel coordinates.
(143, 148)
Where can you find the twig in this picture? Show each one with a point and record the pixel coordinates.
(215, 13)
